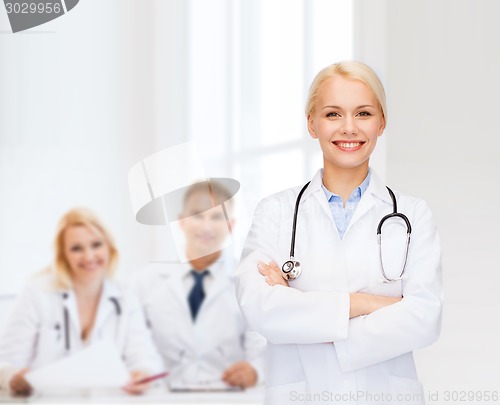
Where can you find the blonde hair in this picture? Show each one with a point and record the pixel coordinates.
(352, 70)
(79, 217)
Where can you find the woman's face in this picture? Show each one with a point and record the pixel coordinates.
(347, 121)
(86, 252)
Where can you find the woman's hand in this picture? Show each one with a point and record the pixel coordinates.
(364, 304)
(240, 374)
(133, 387)
(19, 385)
(272, 273)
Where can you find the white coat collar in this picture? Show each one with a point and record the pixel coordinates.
(110, 304)
(376, 191)
(220, 277)
(173, 274)
(314, 186)
(375, 188)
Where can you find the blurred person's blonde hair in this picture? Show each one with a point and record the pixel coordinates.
(352, 70)
(80, 217)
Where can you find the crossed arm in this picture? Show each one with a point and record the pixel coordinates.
(359, 303)
(358, 323)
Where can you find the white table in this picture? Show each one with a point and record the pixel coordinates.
(249, 397)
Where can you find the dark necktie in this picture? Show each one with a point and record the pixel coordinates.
(197, 294)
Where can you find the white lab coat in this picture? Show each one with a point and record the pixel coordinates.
(197, 352)
(34, 336)
(370, 359)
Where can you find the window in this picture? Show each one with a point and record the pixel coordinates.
(250, 67)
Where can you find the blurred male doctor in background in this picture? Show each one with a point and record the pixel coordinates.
(191, 307)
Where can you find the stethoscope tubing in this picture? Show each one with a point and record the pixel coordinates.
(66, 330)
(394, 214)
(67, 336)
(294, 225)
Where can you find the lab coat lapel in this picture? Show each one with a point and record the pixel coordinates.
(221, 283)
(174, 297)
(172, 278)
(315, 191)
(69, 303)
(364, 205)
(106, 306)
(376, 191)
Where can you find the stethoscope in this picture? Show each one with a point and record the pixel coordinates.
(67, 339)
(292, 269)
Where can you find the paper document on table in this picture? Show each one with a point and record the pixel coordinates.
(97, 366)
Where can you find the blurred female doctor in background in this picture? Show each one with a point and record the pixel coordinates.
(344, 329)
(73, 304)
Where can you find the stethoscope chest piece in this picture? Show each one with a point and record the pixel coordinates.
(291, 269)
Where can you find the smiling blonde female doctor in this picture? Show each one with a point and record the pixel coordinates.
(74, 304)
(338, 333)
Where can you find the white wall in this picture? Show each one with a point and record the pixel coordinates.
(83, 98)
(442, 79)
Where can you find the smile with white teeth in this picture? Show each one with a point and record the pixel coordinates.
(348, 145)
(90, 266)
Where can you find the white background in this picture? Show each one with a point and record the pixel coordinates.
(86, 96)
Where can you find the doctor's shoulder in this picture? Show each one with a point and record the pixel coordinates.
(126, 293)
(277, 203)
(271, 217)
(148, 278)
(43, 283)
(416, 208)
(38, 296)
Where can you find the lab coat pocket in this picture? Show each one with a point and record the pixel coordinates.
(292, 393)
(406, 391)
